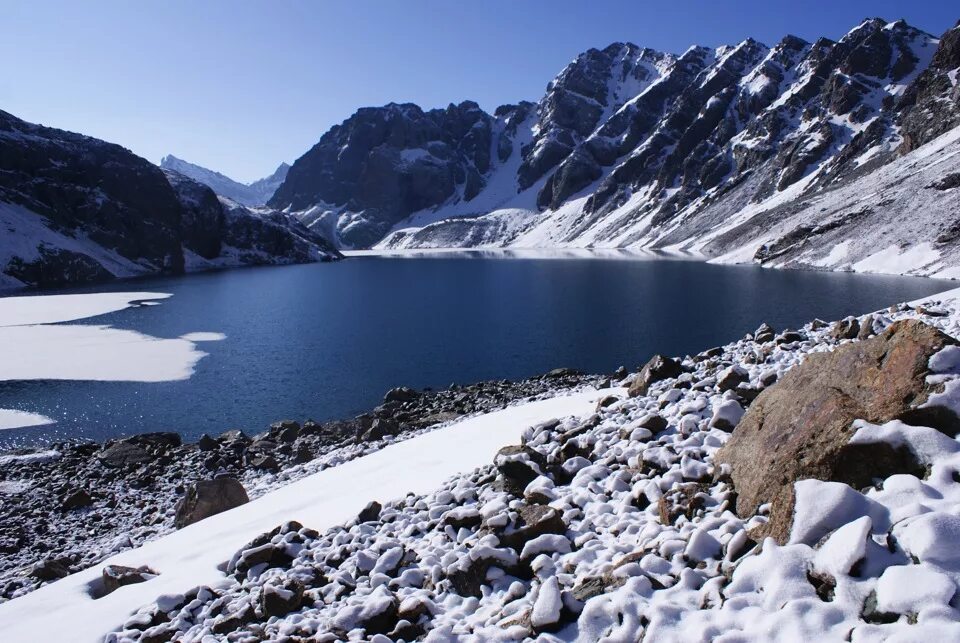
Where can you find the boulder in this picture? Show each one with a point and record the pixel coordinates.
(800, 428)
(658, 368)
(559, 373)
(264, 463)
(379, 429)
(116, 576)
(285, 430)
(401, 394)
(76, 500)
(206, 443)
(157, 440)
(281, 600)
(207, 498)
(847, 328)
(653, 422)
(730, 378)
(533, 521)
(50, 569)
(763, 334)
(121, 455)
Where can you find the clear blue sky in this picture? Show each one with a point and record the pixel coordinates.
(240, 86)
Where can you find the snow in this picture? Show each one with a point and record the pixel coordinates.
(36, 347)
(25, 231)
(893, 260)
(51, 309)
(93, 353)
(192, 556)
(833, 258)
(13, 419)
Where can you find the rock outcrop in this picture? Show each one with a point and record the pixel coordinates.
(801, 427)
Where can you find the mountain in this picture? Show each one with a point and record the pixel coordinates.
(75, 209)
(249, 194)
(794, 154)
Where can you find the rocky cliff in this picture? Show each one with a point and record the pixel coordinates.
(700, 152)
(75, 209)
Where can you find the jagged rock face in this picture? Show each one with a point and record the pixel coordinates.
(932, 103)
(587, 92)
(81, 184)
(633, 148)
(79, 210)
(386, 163)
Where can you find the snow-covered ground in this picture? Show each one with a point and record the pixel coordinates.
(65, 611)
(35, 345)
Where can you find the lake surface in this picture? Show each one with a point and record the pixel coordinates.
(326, 341)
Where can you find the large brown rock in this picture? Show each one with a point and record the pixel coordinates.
(660, 367)
(800, 428)
(207, 498)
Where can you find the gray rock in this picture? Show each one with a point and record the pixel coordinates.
(124, 454)
(207, 498)
(116, 576)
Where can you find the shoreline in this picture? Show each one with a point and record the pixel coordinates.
(505, 252)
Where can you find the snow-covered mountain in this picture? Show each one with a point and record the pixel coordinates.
(813, 154)
(249, 194)
(75, 209)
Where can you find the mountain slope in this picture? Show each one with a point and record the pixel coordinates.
(631, 147)
(75, 209)
(249, 194)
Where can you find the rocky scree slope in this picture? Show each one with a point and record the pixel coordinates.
(626, 525)
(631, 147)
(254, 194)
(108, 498)
(75, 209)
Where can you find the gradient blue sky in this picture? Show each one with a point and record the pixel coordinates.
(240, 86)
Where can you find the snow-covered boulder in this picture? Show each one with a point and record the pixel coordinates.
(801, 427)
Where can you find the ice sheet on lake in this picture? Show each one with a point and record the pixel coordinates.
(36, 348)
(50, 309)
(13, 419)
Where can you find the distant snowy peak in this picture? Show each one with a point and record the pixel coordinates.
(631, 147)
(249, 194)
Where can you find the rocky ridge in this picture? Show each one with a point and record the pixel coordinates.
(625, 524)
(77, 210)
(701, 152)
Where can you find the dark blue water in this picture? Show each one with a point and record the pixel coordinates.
(327, 340)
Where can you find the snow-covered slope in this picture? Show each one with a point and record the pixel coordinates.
(249, 194)
(635, 148)
(192, 556)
